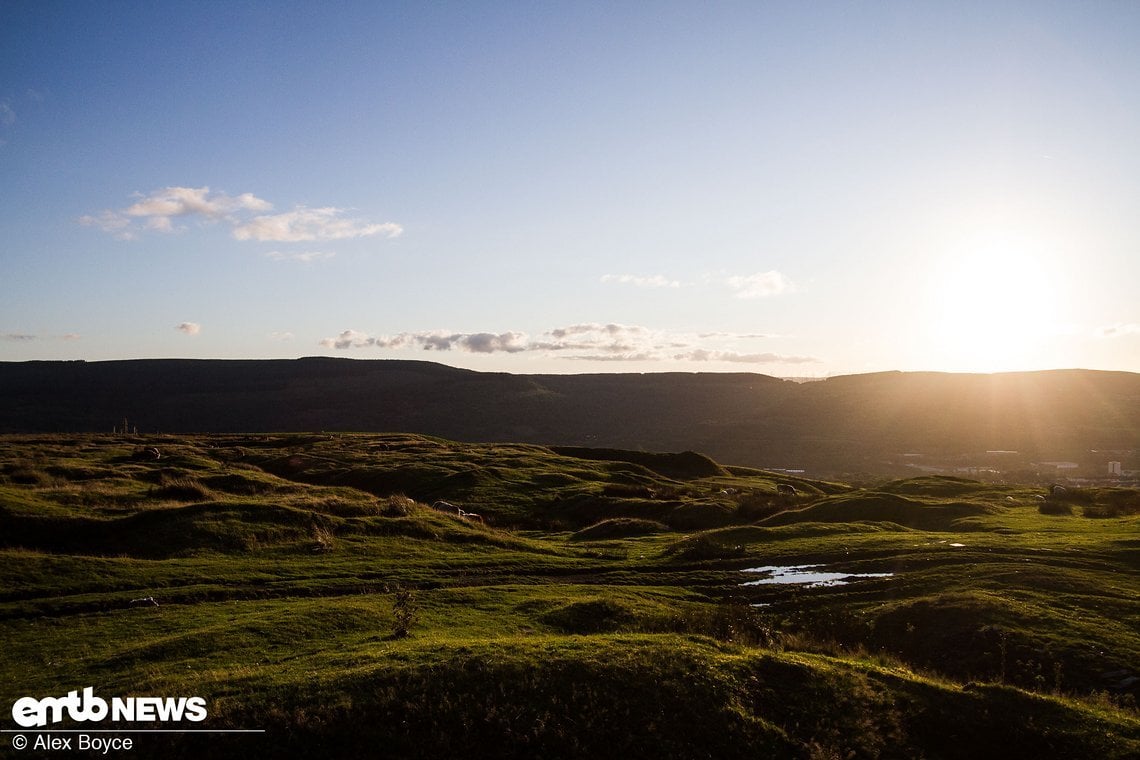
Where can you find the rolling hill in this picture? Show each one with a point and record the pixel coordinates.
(331, 595)
(875, 423)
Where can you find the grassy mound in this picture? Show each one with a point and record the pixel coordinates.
(668, 696)
(701, 515)
(588, 509)
(687, 465)
(161, 533)
(590, 616)
(946, 486)
(883, 507)
(619, 527)
(1018, 638)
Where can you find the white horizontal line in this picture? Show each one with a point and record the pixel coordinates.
(131, 731)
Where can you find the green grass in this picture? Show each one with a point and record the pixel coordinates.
(596, 611)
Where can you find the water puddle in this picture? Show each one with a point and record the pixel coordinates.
(810, 575)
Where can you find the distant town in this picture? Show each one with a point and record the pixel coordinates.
(1095, 467)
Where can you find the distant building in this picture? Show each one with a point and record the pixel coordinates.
(1059, 465)
(1114, 469)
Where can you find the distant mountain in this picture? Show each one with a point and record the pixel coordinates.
(871, 423)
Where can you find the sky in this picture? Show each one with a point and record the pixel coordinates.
(788, 188)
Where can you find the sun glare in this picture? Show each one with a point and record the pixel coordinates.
(995, 300)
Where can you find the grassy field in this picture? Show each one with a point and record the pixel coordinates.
(324, 589)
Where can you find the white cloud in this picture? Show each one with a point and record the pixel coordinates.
(7, 115)
(190, 201)
(476, 343)
(403, 340)
(611, 339)
(349, 339)
(158, 211)
(487, 343)
(623, 357)
(652, 281)
(110, 222)
(759, 285)
(705, 355)
(587, 341)
(305, 257)
(281, 336)
(308, 224)
(587, 328)
(1118, 330)
(189, 328)
(733, 336)
(28, 337)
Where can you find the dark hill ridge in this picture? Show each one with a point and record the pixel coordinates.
(842, 424)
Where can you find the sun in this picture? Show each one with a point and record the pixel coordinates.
(994, 302)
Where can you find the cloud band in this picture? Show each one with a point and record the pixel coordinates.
(158, 212)
(583, 342)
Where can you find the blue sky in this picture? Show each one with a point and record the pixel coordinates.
(796, 189)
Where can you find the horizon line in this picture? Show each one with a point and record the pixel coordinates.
(321, 357)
